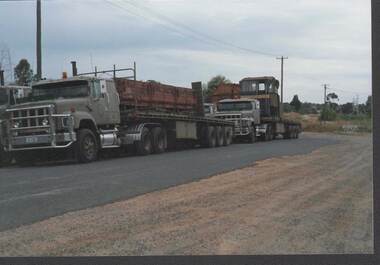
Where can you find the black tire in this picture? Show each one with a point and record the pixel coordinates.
(219, 135)
(158, 137)
(228, 135)
(87, 148)
(145, 145)
(211, 136)
(203, 136)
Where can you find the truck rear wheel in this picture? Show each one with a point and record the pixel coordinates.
(158, 136)
(227, 136)
(211, 136)
(144, 146)
(219, 135)
(87, 146)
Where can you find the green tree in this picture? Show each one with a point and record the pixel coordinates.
(331, 97)
(296, 103)
(347, 108)
(214, 83)
(327, 114)
(23, 73)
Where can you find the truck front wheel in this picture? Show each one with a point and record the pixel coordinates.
(87, 146)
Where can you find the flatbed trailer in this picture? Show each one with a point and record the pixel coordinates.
(166, 129)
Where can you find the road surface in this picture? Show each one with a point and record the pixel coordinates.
(31, 194)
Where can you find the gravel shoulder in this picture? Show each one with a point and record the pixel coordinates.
(317, 203)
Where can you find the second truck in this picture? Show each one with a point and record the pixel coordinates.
(255, 108)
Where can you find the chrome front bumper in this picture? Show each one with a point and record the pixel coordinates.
(60, 140)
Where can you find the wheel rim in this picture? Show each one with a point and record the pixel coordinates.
(89, 147)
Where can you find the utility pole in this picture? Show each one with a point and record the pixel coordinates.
(325, 94)
(325, 87)
(282, 77)
(39, 57)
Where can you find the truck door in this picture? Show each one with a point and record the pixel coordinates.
(112, 101)
(105, 102)
(98, 103)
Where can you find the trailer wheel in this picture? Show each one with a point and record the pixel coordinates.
(227, 136)
(87, 146)
(144, 146)
(158, 136)
(211, 136)
(219, 135)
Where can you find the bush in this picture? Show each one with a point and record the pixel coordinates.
(328, 114)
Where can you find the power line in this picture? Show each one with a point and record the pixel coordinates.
(181, 28)
(190, 29)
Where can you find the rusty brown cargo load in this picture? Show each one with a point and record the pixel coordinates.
(225, 91)
(152, 95)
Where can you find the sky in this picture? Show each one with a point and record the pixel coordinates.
(178, 42)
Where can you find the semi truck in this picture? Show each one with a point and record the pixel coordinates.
(9, 95)
(82, 115)
(255, 109)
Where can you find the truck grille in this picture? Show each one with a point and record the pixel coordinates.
(241, 125)
(34, 120)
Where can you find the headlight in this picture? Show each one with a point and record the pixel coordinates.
(16, 124)
(68, 122)
(45, 122)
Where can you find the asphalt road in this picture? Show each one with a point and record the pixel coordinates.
(31, 194)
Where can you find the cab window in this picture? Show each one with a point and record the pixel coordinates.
(95, 89)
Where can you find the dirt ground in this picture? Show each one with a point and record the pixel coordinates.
(316, 203)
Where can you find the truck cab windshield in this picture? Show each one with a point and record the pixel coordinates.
(3, 97)
(234, 106)
(71, 89)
